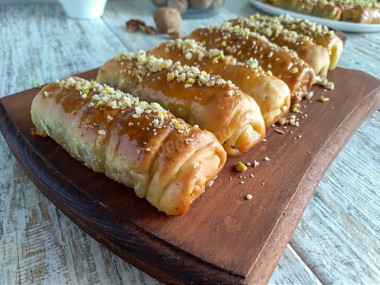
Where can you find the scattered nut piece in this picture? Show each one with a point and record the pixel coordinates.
(266, 158)
(134, 24)
(240, 167)
(174, 34)
(167, 19)
(324, 99)
(309, 95)
(279, 131)
(249, 197)
(282, 121)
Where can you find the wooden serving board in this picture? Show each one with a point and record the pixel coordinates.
(223, 238)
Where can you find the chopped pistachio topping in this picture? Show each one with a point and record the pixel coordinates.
(324, 99)
(240, 166)
(170, 76)
(309, 95)
(103, 96)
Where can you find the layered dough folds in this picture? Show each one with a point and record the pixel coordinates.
(141, 145)
(199, 98)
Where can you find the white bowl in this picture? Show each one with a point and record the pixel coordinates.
(83, 9)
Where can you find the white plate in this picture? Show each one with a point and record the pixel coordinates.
(337, 25)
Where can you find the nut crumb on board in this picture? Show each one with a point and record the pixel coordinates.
(135, 24)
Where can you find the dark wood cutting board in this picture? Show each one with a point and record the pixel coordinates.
(223, 238)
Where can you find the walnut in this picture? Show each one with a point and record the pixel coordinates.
(200, 4)
(216, 4)
(180, 5)
(167, 19)
(134, 24)
(160, 3)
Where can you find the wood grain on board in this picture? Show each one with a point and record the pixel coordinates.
(223, 237)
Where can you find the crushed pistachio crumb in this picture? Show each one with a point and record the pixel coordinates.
(240, 167)
(170, 76)
(324, 99)
(309, 95)
(249, 197)
(102, 132)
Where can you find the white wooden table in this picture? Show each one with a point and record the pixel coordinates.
(337, 240)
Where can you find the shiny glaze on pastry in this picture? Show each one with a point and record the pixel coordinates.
(199, 98)
(141, 145)
(244, 45)
(315, 55)
(321, 35)
(270, 93)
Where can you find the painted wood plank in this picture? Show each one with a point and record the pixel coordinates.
(342, 220)
(50, 46)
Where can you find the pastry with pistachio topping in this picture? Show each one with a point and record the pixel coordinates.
(141, 145)
(357, 11)
(313, 54)
(321, 35)
(244, 45)
(194, 95)
(270, 93)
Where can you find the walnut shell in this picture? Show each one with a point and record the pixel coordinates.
(180, 5)
(167, 19)
(200, 4)
(160, 3)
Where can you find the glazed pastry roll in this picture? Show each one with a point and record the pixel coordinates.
(197, 97)
(270, 93)
(244, 45)
(319, 8)
(315, 55)
(141, 145)
(360, 14)
(321, 35)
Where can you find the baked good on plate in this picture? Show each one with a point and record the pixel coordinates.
(313, 54)
(197, 97)
(270, 93)
(141, 145)
(320, 34)
(244, 45)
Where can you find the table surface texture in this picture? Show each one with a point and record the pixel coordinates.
(336, 242)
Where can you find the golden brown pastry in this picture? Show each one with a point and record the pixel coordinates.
(358, 11)
(270, 93)
(197, 97)
(315, 55)
(244, 45)
(321, 35)
(141, 145)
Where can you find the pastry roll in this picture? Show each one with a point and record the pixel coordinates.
(320, 8)
(314, 55)
(270, 93)
(361, 14)
(244, 44)
(193, 95)
(321, 35)
(141, 145)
